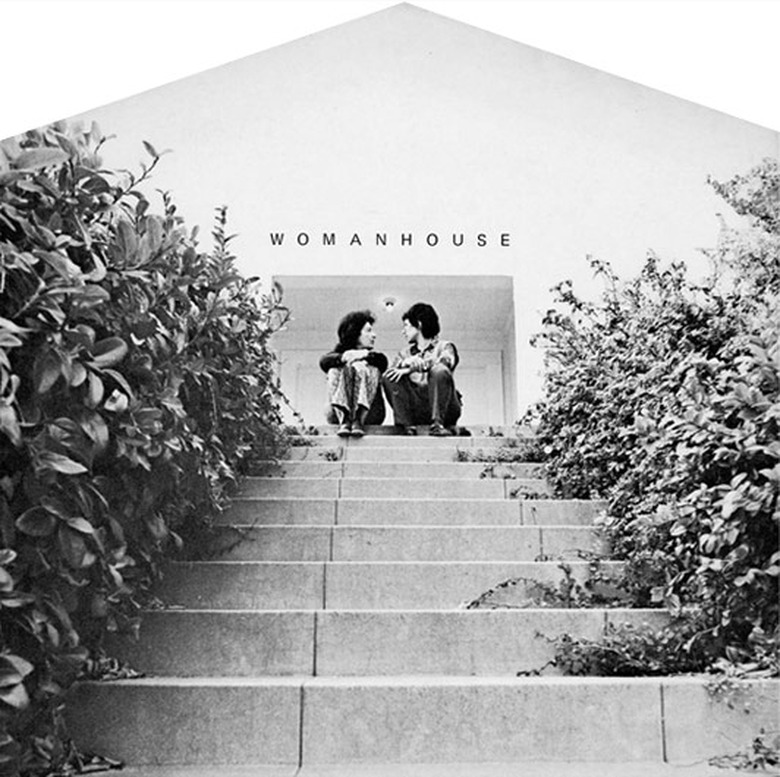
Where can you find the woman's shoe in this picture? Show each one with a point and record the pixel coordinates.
(344, 430)
(358, 430)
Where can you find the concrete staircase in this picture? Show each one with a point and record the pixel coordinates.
(328, 637)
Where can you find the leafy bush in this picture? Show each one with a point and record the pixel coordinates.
(663, 399)
(513, 451)
(629, 651)
(135, 378)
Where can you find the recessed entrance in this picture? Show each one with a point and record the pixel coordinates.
(476, 313)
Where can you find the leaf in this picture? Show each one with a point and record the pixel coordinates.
(6, 581)
(78, 374)
(9, 424)
(8, 556)
(60, 463)
(116, 402)
(97, 430)
(95, 390)
(15, 696)
(154, 232)
(8, 340)
(740, 553)
(36, 522)
(10, 176)
(126, 239)
(731, 503)
(55, 506)
(90, 296)
(108, 352)
(98, 272)
(150, 149)
(61, 264)
(36, 158)
(72, 546)
(15, 664)
(120, 379)
(9, 325)
(81, 525)
(46, 370)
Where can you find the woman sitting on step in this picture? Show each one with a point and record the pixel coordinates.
(354, 370)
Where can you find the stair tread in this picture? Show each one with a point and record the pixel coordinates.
(347, 647)
(425, 680)
(512, 769)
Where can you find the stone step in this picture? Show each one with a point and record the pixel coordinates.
(483, 431)
(319, 467)
(250, 585)
(391, 488)
(417, 453)
(515, 769)
(372, 439)
(248, 643)
(259, 511)
(397, 543)
(416, 720)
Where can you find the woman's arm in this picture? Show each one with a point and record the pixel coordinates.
(377, 359)
(331, 360)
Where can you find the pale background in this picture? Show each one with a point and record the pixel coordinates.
(61, 57)
(575, 204)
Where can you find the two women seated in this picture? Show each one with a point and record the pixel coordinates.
(419, 385)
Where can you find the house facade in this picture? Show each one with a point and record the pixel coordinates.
(406, 155)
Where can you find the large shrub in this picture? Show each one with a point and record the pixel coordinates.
(663, 398)
(135, 378)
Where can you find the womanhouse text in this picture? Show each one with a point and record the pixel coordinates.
(432, 239)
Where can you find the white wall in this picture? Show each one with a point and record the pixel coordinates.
(405, 121)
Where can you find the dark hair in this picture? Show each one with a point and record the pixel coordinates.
(350, 328)
(424, 317)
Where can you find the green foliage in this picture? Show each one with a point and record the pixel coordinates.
(663, 399)
(600, 588)
(512, 451)
(629, 651)
(135, 378)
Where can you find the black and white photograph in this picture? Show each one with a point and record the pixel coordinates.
(389, 389)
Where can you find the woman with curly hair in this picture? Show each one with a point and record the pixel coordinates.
(354, 370)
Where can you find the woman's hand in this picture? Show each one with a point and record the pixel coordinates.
(394, 374)
(415, 363)
(354, 355)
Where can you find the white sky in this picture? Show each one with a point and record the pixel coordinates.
(63, 57)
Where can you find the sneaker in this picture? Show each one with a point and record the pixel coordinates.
(344, 430)
(437, 430)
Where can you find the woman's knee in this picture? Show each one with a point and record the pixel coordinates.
(440, 372)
